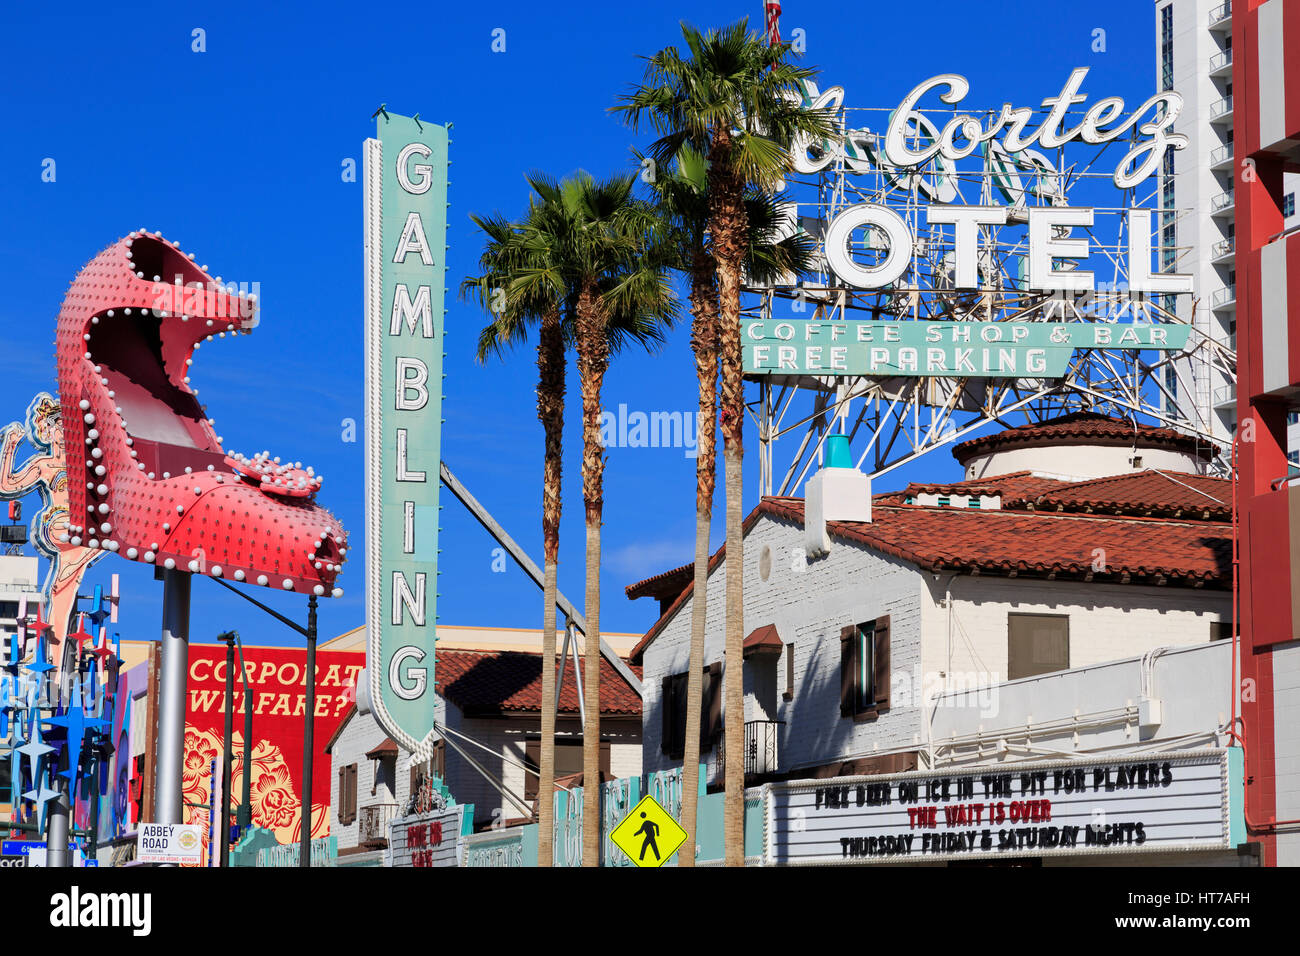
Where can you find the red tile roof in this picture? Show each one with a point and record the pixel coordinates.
(1049, 544)
(669, 584)
(1150, 492)
(385, 749)
(1087, 428)
(1017, 484)
(763, 640)
(492, 682)
(1192, 552)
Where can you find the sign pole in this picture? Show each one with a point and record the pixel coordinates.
(245, 815)
(56, 840)
(223, 831)
(304, 845)
(171, 697)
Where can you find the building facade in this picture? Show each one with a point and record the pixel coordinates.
(1266, 128)
(489, 704)
(975, 591)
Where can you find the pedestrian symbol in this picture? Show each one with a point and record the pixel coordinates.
(648, 835)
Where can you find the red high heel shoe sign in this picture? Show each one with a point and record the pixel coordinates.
(147, 476)
(405, 241)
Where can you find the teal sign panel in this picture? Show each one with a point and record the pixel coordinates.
(944, 349)
(405, 251)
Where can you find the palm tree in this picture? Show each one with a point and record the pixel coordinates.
(604, 248)
(681, 198)
(497, 288)
(735, 99)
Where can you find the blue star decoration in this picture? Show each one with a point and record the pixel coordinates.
(99, 608)
(38, 753)
(76, 723)
(40, 660)
(41, 794)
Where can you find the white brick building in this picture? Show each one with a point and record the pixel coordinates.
(947, 587)
(490, 703)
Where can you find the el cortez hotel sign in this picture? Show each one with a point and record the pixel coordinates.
(405, 182)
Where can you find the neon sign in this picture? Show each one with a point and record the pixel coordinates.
(405, 221)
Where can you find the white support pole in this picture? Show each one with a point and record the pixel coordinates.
(171, 697)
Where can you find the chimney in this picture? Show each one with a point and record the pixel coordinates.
(838, 492)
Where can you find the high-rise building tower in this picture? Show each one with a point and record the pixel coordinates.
(1194, 58)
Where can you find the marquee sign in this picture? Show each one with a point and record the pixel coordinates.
(405, 224)
(951, 349)
(1160, 802)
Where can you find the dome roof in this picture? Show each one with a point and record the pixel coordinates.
(1084, 428)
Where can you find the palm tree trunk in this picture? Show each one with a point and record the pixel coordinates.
(593, 359)
(728, 230)
(704, 341)
(550, 410)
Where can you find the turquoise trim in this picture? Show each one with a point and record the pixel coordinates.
(753, 827)
(1236, 797)
(837, 452)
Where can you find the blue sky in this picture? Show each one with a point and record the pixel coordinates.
(237, 152)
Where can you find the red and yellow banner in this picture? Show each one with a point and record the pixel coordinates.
(276, 676)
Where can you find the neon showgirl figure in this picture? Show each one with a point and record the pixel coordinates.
(46, 472)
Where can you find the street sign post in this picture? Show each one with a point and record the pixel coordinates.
(171, 843)
(648, 835)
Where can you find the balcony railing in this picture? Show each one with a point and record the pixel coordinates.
(374, 823)
(1223, 247)
(1225, 395)
(1224, 201)
(1220, 14)
(1224, 297)
(761, 739)
(1221, 155)
(1221, 108)
(1221, 61)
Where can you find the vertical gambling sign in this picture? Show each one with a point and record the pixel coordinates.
(405, 182)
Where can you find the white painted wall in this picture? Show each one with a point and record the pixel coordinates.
(1079, 462)
(808, 607)
(360, 735)
(507, 738)
(1090, 709)
(1107, 621)
(1286, 730)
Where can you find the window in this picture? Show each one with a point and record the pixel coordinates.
(1168, 229)
(1288, 205)
(347, 806)
(864, 669)
(1167, 48)
(1037, 644)
(789, 671)
(673, 708)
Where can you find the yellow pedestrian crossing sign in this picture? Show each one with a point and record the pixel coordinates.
(648, 835)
